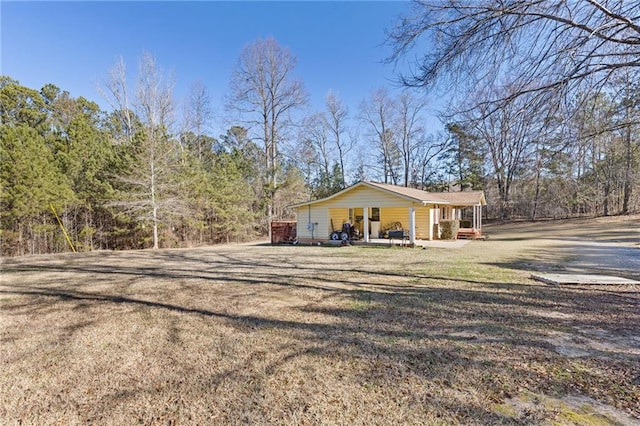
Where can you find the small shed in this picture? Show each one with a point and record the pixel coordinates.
(283, 231)
(371, 207)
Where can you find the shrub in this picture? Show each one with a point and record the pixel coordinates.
(449, 229)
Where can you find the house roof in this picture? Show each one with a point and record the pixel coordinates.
(465, 198)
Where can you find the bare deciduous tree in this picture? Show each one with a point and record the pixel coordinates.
(628, 124)
(396, 124)
(198, 114)
(379, 112)
(509, 135)
(540, 45)
(336, 119)
(314, 135)
(149, 192)
(154, 103)
(114, 89)
(426, 163)
(409, 130)
(561, 61)
(264, 92)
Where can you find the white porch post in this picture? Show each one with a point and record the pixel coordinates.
(433, 219)
(412, 225)
(365, 213)
(480, 217)
(475, 223)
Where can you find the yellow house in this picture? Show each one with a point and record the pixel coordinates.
(371, 207)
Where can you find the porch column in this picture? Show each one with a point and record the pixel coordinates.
(365, 213)
(412, 225)
(475, 223)
(432, 221)
(480, 216)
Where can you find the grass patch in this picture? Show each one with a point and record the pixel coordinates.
(587, 418)
(306, 335)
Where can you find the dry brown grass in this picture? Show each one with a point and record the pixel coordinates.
(316, 335)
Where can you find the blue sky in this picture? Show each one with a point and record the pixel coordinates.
(339, 45)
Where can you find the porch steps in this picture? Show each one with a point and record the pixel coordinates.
(470, 233)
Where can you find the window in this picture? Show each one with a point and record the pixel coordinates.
(375, 214)
(444, 211)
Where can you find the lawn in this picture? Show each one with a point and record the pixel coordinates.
(260, 334)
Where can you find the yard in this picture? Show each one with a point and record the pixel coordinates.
(260, 334)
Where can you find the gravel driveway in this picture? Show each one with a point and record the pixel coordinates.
(611, 257)
(603, 246)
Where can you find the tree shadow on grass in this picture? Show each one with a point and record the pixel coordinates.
(464, 335)
(437, 341)
(407, 286)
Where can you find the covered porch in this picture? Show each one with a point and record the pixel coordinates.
(417, 222)
(369, 211)
(375, 223)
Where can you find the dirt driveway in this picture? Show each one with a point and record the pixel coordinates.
(605, 257)
(608, 246)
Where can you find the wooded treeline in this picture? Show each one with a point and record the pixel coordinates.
(113, 186)
(545, 98)
(149, 172)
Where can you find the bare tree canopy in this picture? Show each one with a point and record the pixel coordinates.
(263, 93)
(378, 112)
(535, 45)
(337, 115)
(198, 114)
(114, 90)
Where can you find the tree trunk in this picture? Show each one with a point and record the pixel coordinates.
(536, 197)
(154, 206)
(605, 202)
(627, 172)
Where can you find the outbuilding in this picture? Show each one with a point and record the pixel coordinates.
(368, 208)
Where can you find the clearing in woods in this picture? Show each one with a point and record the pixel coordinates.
(265, 334)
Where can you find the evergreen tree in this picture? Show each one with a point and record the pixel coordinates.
(30, 183)
(464, 158)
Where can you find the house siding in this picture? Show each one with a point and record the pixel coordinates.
(390, 215)
(337, 217)
(423, 219)
(366, 197)
(321, 217)
(423, 223)
(337, 208)
(316, 215)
